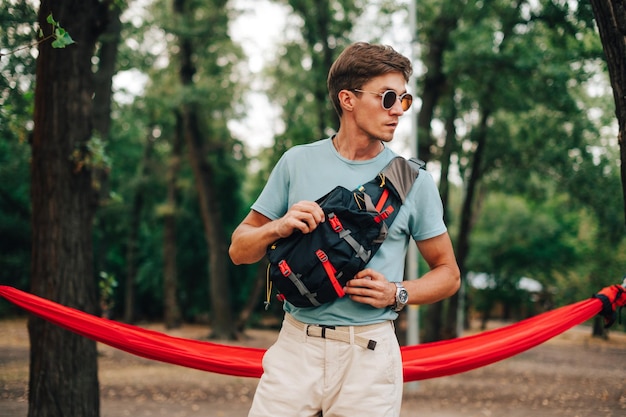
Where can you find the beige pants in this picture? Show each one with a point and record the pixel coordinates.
(307, 376)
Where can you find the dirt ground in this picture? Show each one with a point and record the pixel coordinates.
(571, 375)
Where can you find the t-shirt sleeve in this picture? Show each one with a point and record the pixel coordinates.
(426, 220)
(274, 199)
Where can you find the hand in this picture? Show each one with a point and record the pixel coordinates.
(303, 216)
(371, 287)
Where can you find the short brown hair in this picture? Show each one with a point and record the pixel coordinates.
(359, 63)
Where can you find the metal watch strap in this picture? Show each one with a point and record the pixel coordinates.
(401, 297)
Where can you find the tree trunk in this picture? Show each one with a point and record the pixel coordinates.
(322, 62)
(318, 38)
(467, 213)
(103, 81)
(611, 19)
(433, 327)
(260, 284)
(435, 79)
(598, 330)
(172, 315)
(132, 248)
(222, 318)
(435, 83)
(448, 149)
(434, 324)
(103, 77)
(63, 366)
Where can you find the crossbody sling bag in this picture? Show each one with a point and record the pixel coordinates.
(310, 269)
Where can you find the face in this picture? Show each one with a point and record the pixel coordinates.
(370, 117)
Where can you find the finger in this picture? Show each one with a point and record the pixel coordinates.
(365, 300)
(310, 207)
(364, 273)
(290, 224)
(363, 289)
(365, 282)
(308, 212)
(370, 274)
(310, 221)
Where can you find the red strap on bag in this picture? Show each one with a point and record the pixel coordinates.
(382, 200)
(330, 271)
(383, 215)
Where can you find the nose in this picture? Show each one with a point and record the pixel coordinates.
(397, 107)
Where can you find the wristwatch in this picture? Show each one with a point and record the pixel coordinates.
(402, 296)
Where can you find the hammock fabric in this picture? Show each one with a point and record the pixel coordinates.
(428, 360)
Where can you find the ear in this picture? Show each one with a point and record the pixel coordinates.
(346, 100)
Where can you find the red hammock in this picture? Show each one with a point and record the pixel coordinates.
(428, 360)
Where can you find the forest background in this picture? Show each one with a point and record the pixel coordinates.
(121, 203)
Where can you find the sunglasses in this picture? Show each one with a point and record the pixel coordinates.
(389, 97)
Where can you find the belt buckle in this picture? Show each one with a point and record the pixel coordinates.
(321, 326)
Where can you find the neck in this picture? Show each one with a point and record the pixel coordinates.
(357, 149)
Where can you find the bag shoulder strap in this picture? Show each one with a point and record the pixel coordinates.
(402, 173)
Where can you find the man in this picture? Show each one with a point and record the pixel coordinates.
(308, 373)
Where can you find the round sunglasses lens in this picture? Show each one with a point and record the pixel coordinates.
(407, 100)
(389, 99)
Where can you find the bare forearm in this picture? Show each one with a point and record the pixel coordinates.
(436, 285)
(443, 279)
(249, 243)
(256, 232)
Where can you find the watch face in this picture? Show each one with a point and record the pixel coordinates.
(403, 296)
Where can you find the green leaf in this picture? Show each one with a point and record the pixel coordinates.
(62, 38)
(67, 39)
(51, 20)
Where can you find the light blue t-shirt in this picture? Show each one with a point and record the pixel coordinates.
(308, 172)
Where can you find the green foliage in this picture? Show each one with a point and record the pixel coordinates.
(61, 38)
(549, 198)
(16, 70)
(513, 238)
(130, 132)
(155, 111)
(60, 35)
(92, 157)
(519, 75)
(107, 285)
(297, 77)
(16, 104)
(15, 241)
